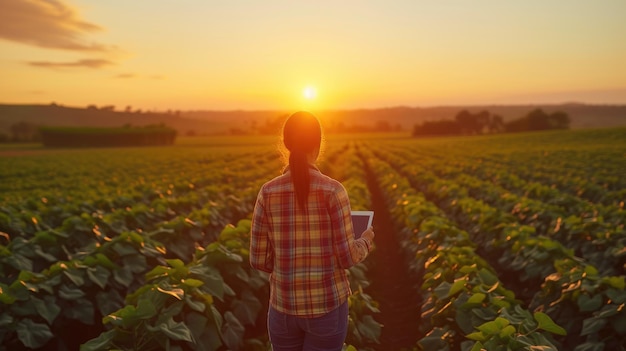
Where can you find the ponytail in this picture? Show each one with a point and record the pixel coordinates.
(302, 134)
(299, 168)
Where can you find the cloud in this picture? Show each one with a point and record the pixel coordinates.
(138, 76)
(49, 24)
(126, 75)
(89, 63)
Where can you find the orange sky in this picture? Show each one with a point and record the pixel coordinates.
(356, 54)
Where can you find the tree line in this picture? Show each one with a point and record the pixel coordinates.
(21, 132)
(484, 122)
(107, 137)
(127, 135)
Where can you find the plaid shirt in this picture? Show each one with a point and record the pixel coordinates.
(306, 251)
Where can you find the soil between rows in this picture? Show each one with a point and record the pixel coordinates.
(392, 285)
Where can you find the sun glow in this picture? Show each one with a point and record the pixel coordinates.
(309, 93)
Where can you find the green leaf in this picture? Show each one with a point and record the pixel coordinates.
(176, 330)
(50, 284)
(123, 276)
(109, 301)
(247, 309)
(232, 331)
(546, 323)
(48, 257)
(102, 342)
(483, 314)
(507, 331)
(33, 335)
(476, 298)
(369, 328)
(75, 276)
(477, 336)
(494, 327)
(468, 269)
(224, 255)
(145, 309)
(619, 324)
(616, 282)
(194, 283)
(214, 283)
(434, 340)
(5, 319)
(70, 293)
(130, 316)
(229, 232)
(203, 331)
(242, 274)
(99, 275)
(591, 270)
(157, 272)
(442, 290)
(464, 320)
(21, 262)
(590, 346)
(23, 309)
(487, 277)
(176, 263)
(587, 304)
(81, 310)
(105, 261)
(216, 317)
(136, 263)
(195, 305)
(478, 346)
(592, 325)
(176, 292)
(457, 286)
(617, 296)
(5, 297)
(117, 318)
(48, 309)
(30, 286)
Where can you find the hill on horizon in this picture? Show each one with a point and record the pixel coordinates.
(229, 122)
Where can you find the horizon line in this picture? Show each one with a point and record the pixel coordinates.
(388, 107)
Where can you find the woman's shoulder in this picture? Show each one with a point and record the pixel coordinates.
(329, 183)
(276, 182)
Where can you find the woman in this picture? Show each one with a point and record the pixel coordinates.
(302, 235)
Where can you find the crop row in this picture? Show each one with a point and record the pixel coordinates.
(465, 305)
(69, 277)
(586, 164)
(149, 271)
(595, 232)
(363, 331)
(573, 292)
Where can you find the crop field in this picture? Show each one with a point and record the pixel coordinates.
(507, 242)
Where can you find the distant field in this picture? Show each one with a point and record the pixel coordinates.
(482, 242)
(226, 141)
(223, 122)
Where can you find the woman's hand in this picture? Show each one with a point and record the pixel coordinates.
(369, 235)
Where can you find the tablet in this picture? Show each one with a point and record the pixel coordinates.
(361, 220)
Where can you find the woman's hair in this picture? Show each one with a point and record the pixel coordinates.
(302, 134)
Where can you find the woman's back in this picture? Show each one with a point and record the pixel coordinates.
(310, 244)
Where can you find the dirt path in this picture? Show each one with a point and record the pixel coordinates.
(391, 283)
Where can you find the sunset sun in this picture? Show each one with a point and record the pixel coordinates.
(309, 93)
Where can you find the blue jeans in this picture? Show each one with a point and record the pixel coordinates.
(325, 333)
